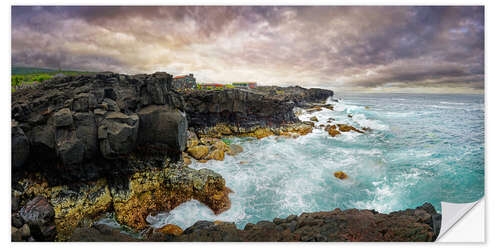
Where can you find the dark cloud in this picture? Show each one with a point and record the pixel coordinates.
(342, 47)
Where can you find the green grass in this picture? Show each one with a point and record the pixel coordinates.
(21, 75)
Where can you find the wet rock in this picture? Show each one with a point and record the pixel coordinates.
(332, 130)
(186, 159)
(349, 115)
(170, 229)
(235, 149)
(314, 119)
(340, 175)
(348, 128)
(198, 152)
(217, 154)
(39, 215)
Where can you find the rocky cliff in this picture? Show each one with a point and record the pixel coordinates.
(85, 145)
(264, 106)
(256, 113)
(80, 128)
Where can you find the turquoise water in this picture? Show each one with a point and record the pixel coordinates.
(423, 148)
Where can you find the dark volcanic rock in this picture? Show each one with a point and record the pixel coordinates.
(336, 225)
(100, 233)
(162, 126)
(300, 96)
(237, 107)
(20, 146)
(39, 215)
(79, 128)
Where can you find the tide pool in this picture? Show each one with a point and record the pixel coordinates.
(422, 148)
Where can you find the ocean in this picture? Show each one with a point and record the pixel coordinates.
(422, 148)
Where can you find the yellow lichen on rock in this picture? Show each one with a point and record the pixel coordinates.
(198, 152)
(71, 210)
(146, 193)
(186, 159)
(217, 154)
(162, 190)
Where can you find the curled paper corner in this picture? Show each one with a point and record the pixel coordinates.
(452, 213)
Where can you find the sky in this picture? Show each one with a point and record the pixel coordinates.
(420, 49)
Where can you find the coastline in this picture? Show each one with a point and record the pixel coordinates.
(95, 145)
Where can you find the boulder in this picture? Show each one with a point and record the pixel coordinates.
(217, 154)
(63, 118)
(20, 146)
(39, 215)
(163, 127)
(119, 134)
(199, 152)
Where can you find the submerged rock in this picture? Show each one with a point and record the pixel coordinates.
(348, 128)
(235, 149)
(332, 130)
(341, 175)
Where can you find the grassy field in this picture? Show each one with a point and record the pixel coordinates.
(28, 76)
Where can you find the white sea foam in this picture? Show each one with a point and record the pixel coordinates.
(388, 169)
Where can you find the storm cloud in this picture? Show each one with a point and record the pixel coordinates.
(366, 48)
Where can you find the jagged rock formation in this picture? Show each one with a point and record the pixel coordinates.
(77, 128)
(238, 107)
(300, 96)
(419, 224)
(257, 113)
(105, 142)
